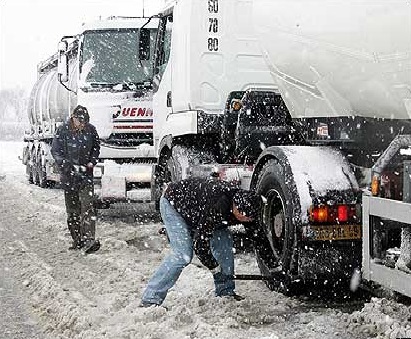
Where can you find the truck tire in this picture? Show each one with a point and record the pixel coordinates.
(27, 155)
(41, 171)
(278, 226)
(182, 157)
(29, 172)
(26, 161)
(33, 167)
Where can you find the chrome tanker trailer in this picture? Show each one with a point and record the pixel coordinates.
(296, 99)
(106, 68)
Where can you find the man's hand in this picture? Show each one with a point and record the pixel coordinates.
(216, 270)
(89, 167)
(67, 168)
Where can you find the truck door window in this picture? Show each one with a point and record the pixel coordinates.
(163, 45)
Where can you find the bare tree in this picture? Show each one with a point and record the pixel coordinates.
(13, 113)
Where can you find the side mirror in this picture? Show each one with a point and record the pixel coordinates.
(144, 44)
(62, 47)
(62, 68)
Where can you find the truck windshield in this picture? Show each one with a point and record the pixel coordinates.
(111, 57)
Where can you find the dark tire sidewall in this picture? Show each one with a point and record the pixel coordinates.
(274, 176)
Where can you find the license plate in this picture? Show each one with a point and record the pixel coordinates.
(336, 232)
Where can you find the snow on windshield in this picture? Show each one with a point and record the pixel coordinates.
(115, 57)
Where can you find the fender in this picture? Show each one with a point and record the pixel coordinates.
(319, 174)
(166, 141)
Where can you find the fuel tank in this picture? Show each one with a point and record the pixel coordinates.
(338, 57)
(49, 102)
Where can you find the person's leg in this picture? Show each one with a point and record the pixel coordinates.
(222, 249)
(73, 210)
(181, 253)
(88, 214)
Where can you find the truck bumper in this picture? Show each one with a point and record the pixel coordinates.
(329, 260)
(123, 182)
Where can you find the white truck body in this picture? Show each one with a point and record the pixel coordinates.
(338, 57)
(313, 54)
(200, 79)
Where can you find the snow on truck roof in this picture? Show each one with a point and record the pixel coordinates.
(118, 22)
(168, 6)
(113, 22)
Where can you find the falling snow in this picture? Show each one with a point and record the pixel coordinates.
(97, 296)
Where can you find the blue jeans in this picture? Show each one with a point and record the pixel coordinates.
(181, 245)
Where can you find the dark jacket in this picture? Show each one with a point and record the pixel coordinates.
(71, 148)
(206, 206)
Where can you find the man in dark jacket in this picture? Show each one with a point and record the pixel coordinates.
(75, 149)
(196, 214)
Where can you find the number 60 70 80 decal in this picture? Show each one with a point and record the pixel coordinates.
(213, 26)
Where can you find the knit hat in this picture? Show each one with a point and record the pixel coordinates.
(81, 113)
(248, 203)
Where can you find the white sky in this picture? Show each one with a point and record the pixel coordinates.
(31, 29)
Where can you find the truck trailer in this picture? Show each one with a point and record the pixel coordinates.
(297, 100)
(106, 68)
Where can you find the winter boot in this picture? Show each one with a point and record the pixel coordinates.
(76, 245)
(91, 246)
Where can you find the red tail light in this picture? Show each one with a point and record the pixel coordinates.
(342, 213)
(335, 214)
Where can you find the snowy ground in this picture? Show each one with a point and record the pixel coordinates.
(97, 296)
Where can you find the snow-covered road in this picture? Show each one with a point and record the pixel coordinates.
(97, 296)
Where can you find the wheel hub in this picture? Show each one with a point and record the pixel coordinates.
(278, 224)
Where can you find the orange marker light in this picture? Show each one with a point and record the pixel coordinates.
(375, 185)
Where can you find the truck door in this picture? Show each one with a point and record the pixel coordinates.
(162, 84)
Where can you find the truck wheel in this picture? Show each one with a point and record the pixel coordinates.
(29, 166)
(29, 173)
(26, 161)
(33, 167)
(174, 164)
(41, 171)
(278, 226)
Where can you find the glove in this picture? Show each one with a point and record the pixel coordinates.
(216, 270)
(219, 276)
(67, 168)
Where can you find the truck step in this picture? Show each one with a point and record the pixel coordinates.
(250, 277)
(128, 209)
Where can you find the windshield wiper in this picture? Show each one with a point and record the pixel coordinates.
(118, 86)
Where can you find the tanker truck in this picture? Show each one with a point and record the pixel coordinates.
(106, 68)
(297, 100)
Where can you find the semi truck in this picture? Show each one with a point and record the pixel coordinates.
(106, 68)
(297, 100)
